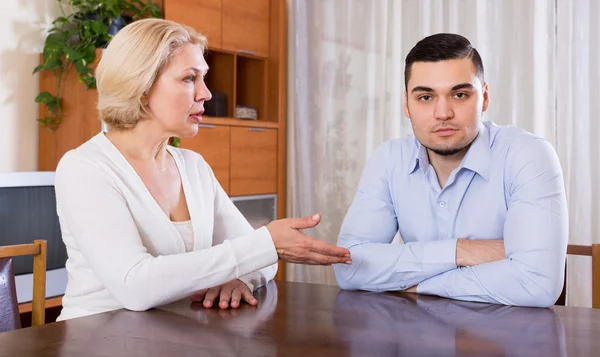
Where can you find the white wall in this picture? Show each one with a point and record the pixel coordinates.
(23, 24)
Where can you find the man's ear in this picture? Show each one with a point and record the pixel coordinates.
(486, 97)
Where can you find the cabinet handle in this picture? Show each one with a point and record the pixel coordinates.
(247, 52)
(256, 129)
(208, 126)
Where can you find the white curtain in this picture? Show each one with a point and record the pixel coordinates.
(346, 62)
(578, 129)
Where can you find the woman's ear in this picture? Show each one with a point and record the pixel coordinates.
(145, 101)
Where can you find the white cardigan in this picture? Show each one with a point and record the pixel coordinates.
(124, 251)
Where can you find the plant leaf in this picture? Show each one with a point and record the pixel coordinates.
(44, 97)
(40, 67)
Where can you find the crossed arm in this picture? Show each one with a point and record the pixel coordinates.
(525, 268)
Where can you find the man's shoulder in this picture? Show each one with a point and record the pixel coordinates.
(519, 148)
(505, 138)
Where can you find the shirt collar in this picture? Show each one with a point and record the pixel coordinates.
(479, 156)
(419, 158)
(477, 159)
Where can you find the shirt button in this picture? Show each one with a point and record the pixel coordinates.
(442, 204)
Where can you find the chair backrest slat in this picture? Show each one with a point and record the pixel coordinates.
(39, 251)
(592, 251)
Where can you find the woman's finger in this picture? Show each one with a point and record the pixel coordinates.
(236, 296)
(249, 298)
(225, 296)
(211, 296)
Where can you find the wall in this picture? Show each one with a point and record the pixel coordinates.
(23, 24)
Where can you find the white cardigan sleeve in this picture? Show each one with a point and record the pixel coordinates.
(231, 224)
(96, 214)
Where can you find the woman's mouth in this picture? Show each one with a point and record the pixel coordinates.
(197, 116)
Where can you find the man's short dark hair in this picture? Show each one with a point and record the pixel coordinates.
(442, 47)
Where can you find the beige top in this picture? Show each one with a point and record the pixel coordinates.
(186, 230)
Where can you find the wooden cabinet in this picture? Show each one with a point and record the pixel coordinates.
(203, 15)
(244, 159)
(78, 125)
(246, 26)
(233, 25)
(213, 142)
(253, 161)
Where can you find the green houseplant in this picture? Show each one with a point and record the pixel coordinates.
(84, 26)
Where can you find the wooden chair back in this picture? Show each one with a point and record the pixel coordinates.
(38, 250)
(592, 251)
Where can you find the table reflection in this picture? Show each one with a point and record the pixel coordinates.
(413, 325)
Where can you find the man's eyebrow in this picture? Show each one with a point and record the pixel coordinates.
(422, 89)
(463, 86)
(468, 86)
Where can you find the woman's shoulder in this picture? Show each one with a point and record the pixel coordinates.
(91, 159)
(88, 153)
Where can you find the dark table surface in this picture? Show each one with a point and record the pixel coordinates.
(295, 319)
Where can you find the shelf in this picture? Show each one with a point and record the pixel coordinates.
(220, 76)
(251, 84)
(237, 53)
(239, 122)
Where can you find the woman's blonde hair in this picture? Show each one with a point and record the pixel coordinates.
(131, 63)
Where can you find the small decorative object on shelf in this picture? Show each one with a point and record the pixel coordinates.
(245, 112)
(217, 106)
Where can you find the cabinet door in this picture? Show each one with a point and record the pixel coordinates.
(203, 15)
(212, 142)
(253, 161)
(246, 26)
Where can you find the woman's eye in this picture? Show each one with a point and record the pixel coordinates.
(190, 78)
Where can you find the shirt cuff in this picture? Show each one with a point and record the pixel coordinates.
(251, 280)
(441, 252)
(254, 252)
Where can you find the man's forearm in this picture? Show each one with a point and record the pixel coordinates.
(475, 252)
(385, 267)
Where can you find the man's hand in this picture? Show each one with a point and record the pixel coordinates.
(229, 294)
(475, 252)
(411, 290)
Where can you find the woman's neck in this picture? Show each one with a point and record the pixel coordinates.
(141, 144)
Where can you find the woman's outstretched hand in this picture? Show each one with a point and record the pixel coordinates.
(293, 246)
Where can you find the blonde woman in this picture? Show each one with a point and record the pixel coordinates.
(146, 224)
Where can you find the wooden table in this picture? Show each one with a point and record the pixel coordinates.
(315, 320)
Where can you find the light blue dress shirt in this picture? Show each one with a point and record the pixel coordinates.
(508, 186)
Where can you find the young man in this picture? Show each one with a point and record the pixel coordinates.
(481, 208)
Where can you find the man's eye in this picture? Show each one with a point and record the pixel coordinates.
(425, 98)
